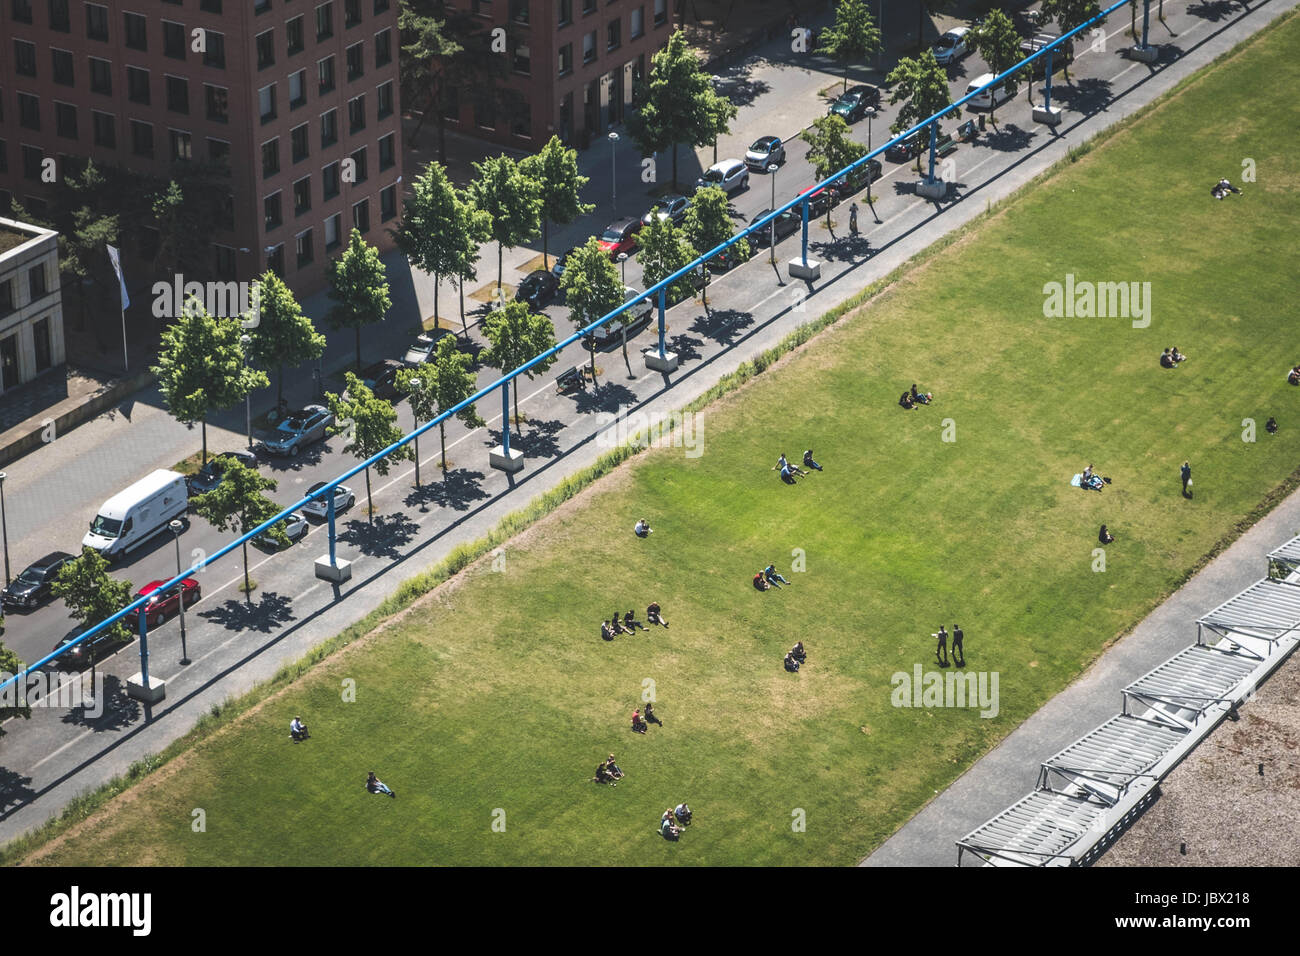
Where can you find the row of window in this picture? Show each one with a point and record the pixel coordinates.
(353, 168)
(564, 10)
(613, 40)
(37, 287)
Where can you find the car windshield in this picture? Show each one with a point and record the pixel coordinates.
(292, 425)
(30, 576)
(713, 176)
(762, 146)
(106, 527)
(612, 235)
(946, 41)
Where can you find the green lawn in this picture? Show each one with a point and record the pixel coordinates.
(496, 693)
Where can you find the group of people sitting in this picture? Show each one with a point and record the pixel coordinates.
(795, 657)
(674, 821)
(640, 723)
(607, 771)
(628, 623)
(789, 472)
(1171, 357)
(1293, 376)
(1091, 480)
(913, 398)
(1222, 188)
(768, 578)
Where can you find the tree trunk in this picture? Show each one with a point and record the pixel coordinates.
(358, 348)
(626, 361)
(546, 241)
(846, 76)
(436, 277)
(593, 361)
(460, 284)
(205, 439)
(248, 587)
(442, 435)
(518, 421)
(1132, 19)
(279, 396)
(674, 167)
(370, 505)
(500, 272)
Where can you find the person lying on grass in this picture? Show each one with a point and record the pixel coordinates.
(1222, 188)
(650, 717)
(375, 785)
(1092, 481)
(606, 632)
(783, 466)
(1176, 355)
(906, 401)
(632, 625)
(787, 475)
(760, 582)
(769, 572)
(654, 615)
(920, 398)
(617, 626)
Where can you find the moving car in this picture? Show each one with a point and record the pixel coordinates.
(162, 604)
(952, 46)
(765, 151)
(789, 221)
(537, 289)
(318, 508)
(851, 105)
(381, 378)
(298, 430)
(422, 348)
(32, 586)
(131, 517)
(730, 175)
(669, 207)
(210, 475)
(619, 237)
(101, 645)
(294, 525)
(641, 311)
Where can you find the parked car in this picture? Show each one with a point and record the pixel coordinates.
(990, 97)
(725, 261)
(299, 429)
(211, 474)
(821, 201)
(381, 378)
(32, 587)
(730, 175)
(537, 289)
(131, 517)
(909, 148)
(641, 310)
(102, 645)
(163, 604)
(851, 105)
(789, 221)
(952, 46)
(319, 508)
(294, 526)
(422, 348)
(669, 207)
(557, 269)
(619, 237)
(765, 151)
(858, 180)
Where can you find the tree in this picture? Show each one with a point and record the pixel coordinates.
(283, 335)
(708, 223)
(370, 424)
(1069, 14)
(11, 664)
(201, 366)
(830, 149)
(591, 287)
(183, 240)
(853, 36)
(662, 249)
(93, 595)
(678, 104)
(998, 42)
(517, 337)
(431, 235)
(359, 284)
(448, 379)
(472, 225)
(555, 170)
(924, 84)
(511, 201)
(238, 504)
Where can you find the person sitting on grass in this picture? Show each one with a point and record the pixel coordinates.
(798, 653)
(783, 466)
(667, 828)
(632, 625)
(683, 814)
(638, 725)
(808, 460)
(1222, 188)
(1293, 376)
(920, 398)
(298, 730)
(769, 572)
(603, 775)
(906, 401)
(1176, 355)
(1089, 480)
(761, 583)
(617, 626)
(791, 664)
(1104, 536)
(375, 785)
(654, 615)
(1167, 359)
(613, 768)
(1270, 426)
(642, 529)
(606, 631)
(787, 475)
(650, 717)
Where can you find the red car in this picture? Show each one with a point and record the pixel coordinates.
(620, 237)
(164, 605)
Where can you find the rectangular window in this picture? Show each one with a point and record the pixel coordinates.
(614, 34)
(97, 22)
(302, 196)
(36, 281)
(215, 54)
(324, 21)
(22, 11)
(359, 165)
(636, 25)
(361, 216)
(333, 230)
(380, 6)
(589, 47)
(261, 6)
(218, 152)
(329, 129)
(383, 47)
(210, 6)
(266, 103)
(105, 129)
(217, 99)
(522, 60)
(24, 58)
(178, 94)
(298, 143)
(141, 138)
(661, 11)
(387, 151)
(33, 159)
(293, 34)
(6, 296)
(101, 76)
(137, 85)
(60, 18)
(224, 262)
(330, 181)
(519, 11)
(29, 112)
(387, 203)
(270, 158)
(182, 146)
(356, 114)
(384, 99)
(41, 340)
(265, 49)
(566, 59)
(137, 37)
(271, 216)
(302, 246)
(275, 260)
(588, 6)
(173, 40)
(485, 114)
(351, 13)
(65, 120)
(63, 68)
(325, 74)
(297, 89)
(356, 61)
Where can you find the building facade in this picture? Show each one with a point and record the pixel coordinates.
(298, 98)
(572, 66)
(31, 309)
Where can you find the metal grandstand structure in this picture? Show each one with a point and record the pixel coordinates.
(1088, 793)
(1284, 562)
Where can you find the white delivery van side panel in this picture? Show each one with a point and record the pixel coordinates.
(139, 512)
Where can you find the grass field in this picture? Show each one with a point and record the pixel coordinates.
(494, 698)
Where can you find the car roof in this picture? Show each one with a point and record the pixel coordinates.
(957, 32)
(767, 140)
(621, 224)
(539, 275)
(54, 557)
(317, 486)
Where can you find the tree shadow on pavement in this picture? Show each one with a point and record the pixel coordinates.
(741, 89)
(684, 346)
(1213, 11)
(14, 790)
(849, 248)
(456, 489)
(267, 612)
(722, 325)
(1007, 138)
(117, 710)
(538, 440)
(384, 538)
(607, 397)
(1089, 95)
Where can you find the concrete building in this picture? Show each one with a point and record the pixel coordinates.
(572, 68)
(31, 310)
(293, 95)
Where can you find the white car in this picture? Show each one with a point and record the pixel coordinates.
(294, 525)
(318, 508)
(952, 46)
(730, 174)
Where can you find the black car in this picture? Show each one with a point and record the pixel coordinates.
(381, 378)
(789, 221)
(820, 201)
(852, 104)
(557, 270)
(538, 288)
(210, 475)
(909, 148)
(858, 180)
(101, 645)
(32, 588)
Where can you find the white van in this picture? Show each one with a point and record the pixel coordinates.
(131, 517)
(991, 97)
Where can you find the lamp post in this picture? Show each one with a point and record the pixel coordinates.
(613, 172)
(245, 341)
(622, 260)
(4, 525)
(772, 168)
(176, 527)
(415, 384)
(871, 114)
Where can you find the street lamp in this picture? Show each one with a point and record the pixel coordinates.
(176, 528)
(871, 114)
(772, 168)
(245, 341)
(613, 172)
(622, 259)
(414, 385)
(4, 525)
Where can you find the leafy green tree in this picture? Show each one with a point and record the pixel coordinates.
(830, 149)
(708, 223)
(1069, 14)
(359, 284)
(555, 170)
(678, 104)
(183, 240)
(516, 337)
(431, 234)
(591, 287)
(924, 84)
(11, 664)
(662, 249)
(511, 200)
(853, 37)
(93, 595)
(201, 367)
(449, 379)
(239, 504)
(283, 335)
(370, 425)
(998, 42)
(472, 227)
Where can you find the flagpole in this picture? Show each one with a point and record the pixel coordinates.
(126, 364)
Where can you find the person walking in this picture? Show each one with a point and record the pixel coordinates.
(853, 219)
(941, 650)
(958, 653)
(1186, 473)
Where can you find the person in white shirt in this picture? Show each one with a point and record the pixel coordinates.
(683, 814)
(642, 529)
(297, 729)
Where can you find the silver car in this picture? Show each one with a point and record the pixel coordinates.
(730, 174)
(298, 430)
(765, 151)
(294, 525)
(319, 507)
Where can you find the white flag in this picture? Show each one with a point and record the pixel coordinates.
(117, 267)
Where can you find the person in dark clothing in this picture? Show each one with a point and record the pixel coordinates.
(958, 654)
(654, 615)
(941, 649)
(798, 653)
(791, 664)
(906, 401)
(375, 785)
(853, 219)
(760, 582)
(632, 625)
(650, 716)
(1270, 426)
(1104, 536)
(808, 460)
(606, 632)
(1186, 473)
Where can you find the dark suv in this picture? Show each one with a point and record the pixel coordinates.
(32, 587)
